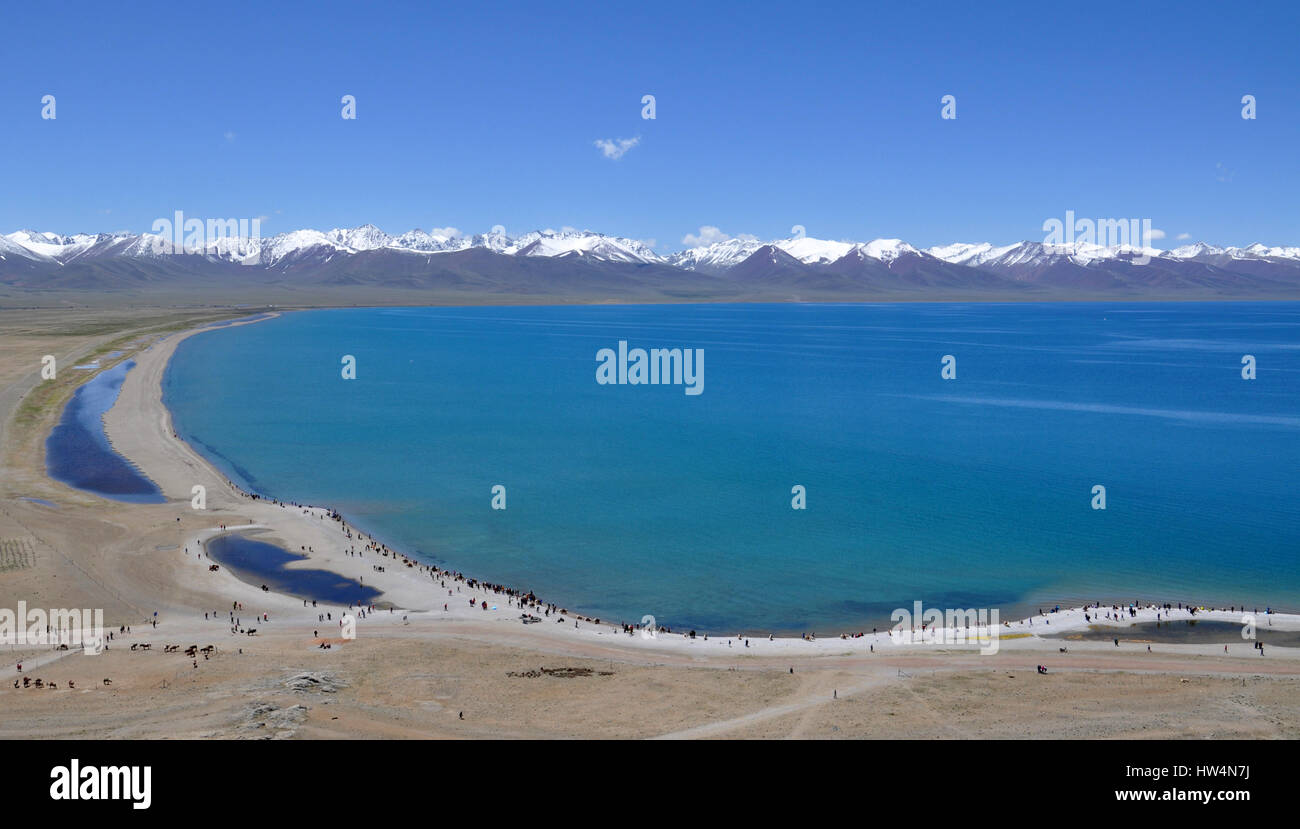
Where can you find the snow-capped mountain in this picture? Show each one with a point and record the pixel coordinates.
(1030, 253)
(1264, 251)
(801, 266)
(718, 257)
(812, 251)
(50, 245)
(10, 247)
(582, 243)
(1200, 250)
(418, 240)
(885, 250)
(961, 253)
(494, 240)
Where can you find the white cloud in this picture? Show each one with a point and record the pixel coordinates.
(449, 232)
(1182, 236)
(711, 235)
(1156, 233)
(708, 235)
(615, 148)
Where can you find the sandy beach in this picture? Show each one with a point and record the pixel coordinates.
(436, 649)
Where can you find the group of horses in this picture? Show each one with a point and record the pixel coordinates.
(28, 682)
(192, 651)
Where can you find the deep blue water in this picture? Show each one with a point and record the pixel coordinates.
(78, 453)
(258, 563)
(632, 500)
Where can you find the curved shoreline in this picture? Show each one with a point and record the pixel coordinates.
(178, 462)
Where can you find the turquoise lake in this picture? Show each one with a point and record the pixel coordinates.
(626, 500)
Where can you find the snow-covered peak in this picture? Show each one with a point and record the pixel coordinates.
(49, 245)
(148, 245)
(418, 240)
(718, 256)
(812, 251)
(366, 237)
(1255, 251)
(9, 246)
(494, 240)
(965, 253)
(63, 249)
(1193, 251)
(1032, 253)
(1082, 253)
(293, 244)
(240, 249)
(886, 250)
(583, 243)
(33, 237)
(1261, 251)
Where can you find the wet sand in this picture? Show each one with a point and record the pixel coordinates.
(1188, 631)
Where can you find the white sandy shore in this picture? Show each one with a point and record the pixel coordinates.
(139, 426)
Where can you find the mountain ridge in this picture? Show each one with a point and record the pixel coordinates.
(572, 263)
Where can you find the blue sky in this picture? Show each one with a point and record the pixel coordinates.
(768, 115)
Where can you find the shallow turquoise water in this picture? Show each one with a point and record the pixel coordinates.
(628, 500)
